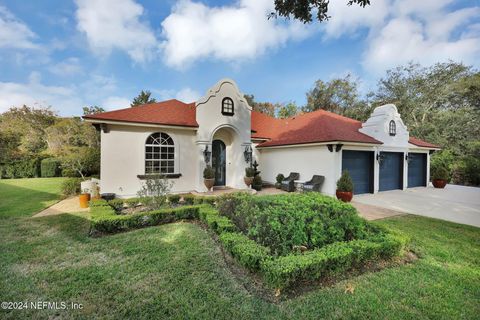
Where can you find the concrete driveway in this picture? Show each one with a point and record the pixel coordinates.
(454, 203)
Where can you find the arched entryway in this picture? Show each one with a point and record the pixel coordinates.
(219, 161)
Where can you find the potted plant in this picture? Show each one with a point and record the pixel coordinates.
(84, 198)
(440, 176)
(249, 174)
(345, 187)
(257, 183)
(280, 177)
(209, 177)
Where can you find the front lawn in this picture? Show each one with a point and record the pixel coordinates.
(178, 271)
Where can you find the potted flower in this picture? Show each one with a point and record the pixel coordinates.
(249, 174)
(345, 187)
(280, 177)
(257, 183)
(439, 176)
(209, 177)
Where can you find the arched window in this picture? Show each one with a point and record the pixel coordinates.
(227, 107)
(159, 154)
(392, 128)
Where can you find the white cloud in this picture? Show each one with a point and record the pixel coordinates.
(34, 93)
(186, 94)
(14, 33)
(422, 32)
(115, 102)
(116, 24)
(68, 67)
(194, 31)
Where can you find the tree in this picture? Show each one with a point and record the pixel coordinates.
(339, 95)
(143, 98)
(29, 125)
(92, 110)
(288, 110)
(82, 160)
(267, 108)
(302, 9)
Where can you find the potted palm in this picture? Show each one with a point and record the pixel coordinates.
(249, 174)
(280, 177)
(345, 187)
(440, 176)
(209, 177)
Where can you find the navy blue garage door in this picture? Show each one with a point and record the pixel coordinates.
(391, 171)
(417, 170)
(360, 166)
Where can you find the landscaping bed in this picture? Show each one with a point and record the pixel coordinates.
(285, 238)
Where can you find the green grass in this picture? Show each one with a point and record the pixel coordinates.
(178, 271)
(21, 197)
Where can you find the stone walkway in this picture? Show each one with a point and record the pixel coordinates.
(68, 205)
(370, 212)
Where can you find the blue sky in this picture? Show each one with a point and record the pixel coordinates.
(69, 54)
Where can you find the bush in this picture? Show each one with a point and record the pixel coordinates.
(188, 198)
(204, 200)
(257, 183)
(249, 172)
(248, 253)
(24, 168)
(208, 173)
(154, 191)
(71, 186)
(174, 198)
(105, 220)
(345, 182)
(440, 172)
(50, 167)
(217, 223)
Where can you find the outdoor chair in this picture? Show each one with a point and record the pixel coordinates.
(288, 184)
(315, 184)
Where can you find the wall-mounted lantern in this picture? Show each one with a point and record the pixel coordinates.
(248, 154)
(206, 155)
(380, 158)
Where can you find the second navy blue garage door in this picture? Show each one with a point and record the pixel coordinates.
(360, 166)
(417, 170)
(391, 171)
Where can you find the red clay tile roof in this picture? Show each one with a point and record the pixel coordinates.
(317, 126)
(421, 143)
(170, 112)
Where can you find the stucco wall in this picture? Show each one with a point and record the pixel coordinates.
(307, 161)
(123, 158)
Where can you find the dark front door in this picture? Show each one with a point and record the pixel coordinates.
(391, 171)
(219, 161)
(360, 167)
(417, 170)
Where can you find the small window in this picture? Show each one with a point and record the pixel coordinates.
(392, 128)
(227, 107)
(159, 154)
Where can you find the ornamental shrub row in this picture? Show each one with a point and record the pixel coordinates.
(105, 220)
(247, 252)
(217, 223)
(24, 168)
(50, 167)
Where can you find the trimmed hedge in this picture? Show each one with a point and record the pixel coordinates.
(105, 220)
(204, 200)
(24, 168)
(188, 198)
(174, 198)
(332, 259)
(248, 253)
(217, 223)
(50, 167)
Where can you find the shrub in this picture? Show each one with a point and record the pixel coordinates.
(50, 167)
(248, 253)
(345, 182)
(174, 198)
(154, 191)
(204, 200)
(208, 173)
(188, 198)
(257, 183)
(280, 177)
(249, 172)
(439, 172)
(71, 186)
(217, 223)
(104, 219)
(24, 168)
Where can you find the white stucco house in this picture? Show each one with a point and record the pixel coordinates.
(172, 138)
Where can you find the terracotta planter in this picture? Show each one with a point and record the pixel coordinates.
(209, 183)
(248, 180)
(439, 183)
(344, 196)
(84, 198)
